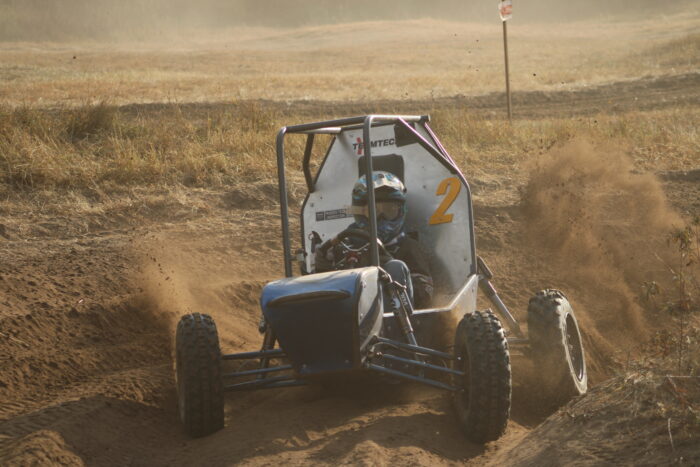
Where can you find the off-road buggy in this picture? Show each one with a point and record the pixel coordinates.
(333, 325)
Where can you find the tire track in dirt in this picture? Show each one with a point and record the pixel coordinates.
(77, 344)
(642, 94)
(113, 403)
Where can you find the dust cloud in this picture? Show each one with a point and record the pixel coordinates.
(166, 292)
(175, 279)
(602, 226)
(138, 20)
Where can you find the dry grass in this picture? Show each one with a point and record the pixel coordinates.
(401, 60)
(658, 140)
(98, 145)
(682, 52)
(51, 139)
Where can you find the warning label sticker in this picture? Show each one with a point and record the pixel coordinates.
(332, 215)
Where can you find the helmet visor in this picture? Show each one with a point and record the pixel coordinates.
(386, 210)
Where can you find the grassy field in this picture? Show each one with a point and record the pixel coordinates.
(99, 145)
(400, 60)
(75, 116)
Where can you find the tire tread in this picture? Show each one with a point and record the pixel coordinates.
(546, 318)
(481, 338)
(199, 366)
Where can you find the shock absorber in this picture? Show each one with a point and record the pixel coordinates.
(401, 306)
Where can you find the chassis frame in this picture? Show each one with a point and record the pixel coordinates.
(407, 354)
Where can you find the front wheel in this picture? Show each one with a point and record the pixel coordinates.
(557, 350)
(200, 388)
(483, 401)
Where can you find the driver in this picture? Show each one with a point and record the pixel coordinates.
(408, 263)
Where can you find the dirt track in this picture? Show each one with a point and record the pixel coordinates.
(648, 93)
(88, 306)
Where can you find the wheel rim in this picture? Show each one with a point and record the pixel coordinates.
(573, 343)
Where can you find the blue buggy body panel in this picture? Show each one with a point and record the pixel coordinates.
(324, 321)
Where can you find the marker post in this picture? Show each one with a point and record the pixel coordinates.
(505, 9)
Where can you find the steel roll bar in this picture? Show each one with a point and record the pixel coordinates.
(330, 127)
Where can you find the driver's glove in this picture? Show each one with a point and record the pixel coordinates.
(422, 290)
(324, 262)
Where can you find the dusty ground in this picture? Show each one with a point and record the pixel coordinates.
(88, 303)
(396, 60)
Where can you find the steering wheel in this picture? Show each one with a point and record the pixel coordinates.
(350, 256)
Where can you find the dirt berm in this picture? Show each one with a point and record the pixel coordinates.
(88, 307)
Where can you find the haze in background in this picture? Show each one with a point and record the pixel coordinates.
(65, 20)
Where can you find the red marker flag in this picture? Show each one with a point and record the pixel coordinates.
(505, 9)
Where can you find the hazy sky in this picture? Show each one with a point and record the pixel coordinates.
(109, 19)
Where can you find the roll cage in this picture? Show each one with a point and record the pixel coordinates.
(367, 123)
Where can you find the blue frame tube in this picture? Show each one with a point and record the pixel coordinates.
(412, 348)
(402, 375)
(430, 366)
(284, 209)
(305, 163)
(269, 383)
(259, 371)
(274, 353)
(373, 247)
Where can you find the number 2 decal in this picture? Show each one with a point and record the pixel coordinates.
(451, 187)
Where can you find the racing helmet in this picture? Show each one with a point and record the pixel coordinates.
(390, 198)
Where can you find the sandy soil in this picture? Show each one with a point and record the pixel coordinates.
(88, 307)
(89, 302)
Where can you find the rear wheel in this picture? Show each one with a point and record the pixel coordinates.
(557, 350)
(483, 402)
(199, 381)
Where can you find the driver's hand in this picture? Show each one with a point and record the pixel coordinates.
(325, 257)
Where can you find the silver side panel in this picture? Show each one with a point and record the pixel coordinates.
(441, 220)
